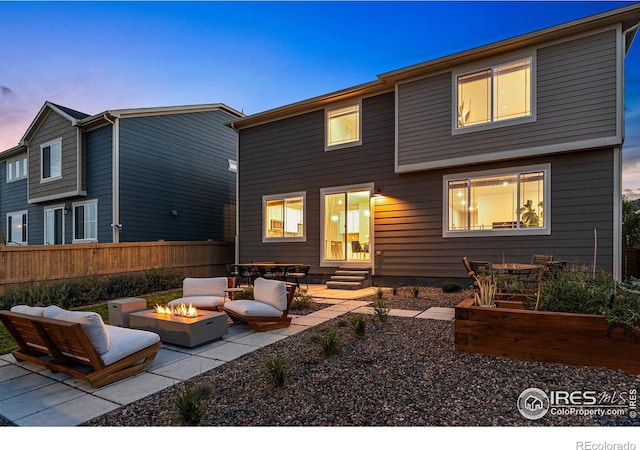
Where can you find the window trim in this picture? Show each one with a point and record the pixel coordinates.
(42, 147)
(24, 213)
(492, 64)
(327, 111)
(11, 163)
(73, 221)
(546, 230)
(44, 225)
(265, 198)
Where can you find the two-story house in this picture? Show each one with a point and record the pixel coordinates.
(126, 175)
(494, 153)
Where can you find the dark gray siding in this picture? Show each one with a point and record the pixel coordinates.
(288, 156)
(98, 148)
(576, 101)
(177, 162)
(54, 126)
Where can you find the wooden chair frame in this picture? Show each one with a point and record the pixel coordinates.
(63, 346)
(258, 323)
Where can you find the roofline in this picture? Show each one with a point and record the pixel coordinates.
(46, 105)
(160, 110)
(389, 79)
(4, 154)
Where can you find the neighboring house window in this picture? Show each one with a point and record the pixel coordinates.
(17, 168)
(51, 157)
(54, 225)
(511, 201)
(17, 228)
(494, 94)
(233, 165)
(284, 217)
(85, 221)
(343, 126)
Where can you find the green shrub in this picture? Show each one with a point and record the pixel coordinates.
(189, 404)
(247, 294)
(415, 291)
(381, 310)
(277, 370)
(395, 288)
(330, 343)
(451, 286)
(379, 292)
(358, 324)
(301, 299)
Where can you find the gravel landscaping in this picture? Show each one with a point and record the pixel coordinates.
(402, 372)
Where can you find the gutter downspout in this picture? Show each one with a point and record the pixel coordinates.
(236, 255)
(116, 227)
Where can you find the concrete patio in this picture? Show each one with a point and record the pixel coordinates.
(33, 396)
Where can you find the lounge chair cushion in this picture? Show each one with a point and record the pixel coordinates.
(252, 308)
(91, 322)
(204, 286)
(26, 309)
(271, 292)
(199, 301)
(126, 341)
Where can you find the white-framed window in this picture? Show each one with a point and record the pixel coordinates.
(17, 228)
(343, 126)
(16, 168)
(85, 221)
(497, 95)
(232, 165)
(508, 201)
(51, 160)
(284, 217)
(54, 225)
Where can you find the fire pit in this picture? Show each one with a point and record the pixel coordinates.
(184, 325)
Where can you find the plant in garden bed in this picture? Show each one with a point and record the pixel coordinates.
(358, 324)
(189, 404)
(329, 342)
(381, 310)
(277, 370)
(487, 288)
(451, 286)
(379, 292)
(301, 299)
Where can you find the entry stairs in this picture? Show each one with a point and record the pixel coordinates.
(350, 278)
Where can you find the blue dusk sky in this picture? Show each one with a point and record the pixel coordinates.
(251, 56)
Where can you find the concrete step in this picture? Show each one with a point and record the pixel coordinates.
(347, 278)
(348, 285)
(360, 273)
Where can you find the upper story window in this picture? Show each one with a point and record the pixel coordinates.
(232, 165)
(283, 217)
(85, 221)
(343, 127)
(511, 201)
(16, 168)
(17, 228)
(51, 160)
(486, 97)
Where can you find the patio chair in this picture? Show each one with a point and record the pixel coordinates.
(79, 344)
(298, 273)
(541, 259)
(270, 308)
(203, 293)
(357, 249)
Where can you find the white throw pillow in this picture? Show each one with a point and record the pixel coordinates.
(90, 321)
(26, 309)
(204, 286)
(271, 292)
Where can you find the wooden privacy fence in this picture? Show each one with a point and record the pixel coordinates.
(58, 262)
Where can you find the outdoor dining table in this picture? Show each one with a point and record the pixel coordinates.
(516, 267)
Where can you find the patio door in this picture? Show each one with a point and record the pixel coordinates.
(346, 225)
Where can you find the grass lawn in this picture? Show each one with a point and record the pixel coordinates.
(7, 344)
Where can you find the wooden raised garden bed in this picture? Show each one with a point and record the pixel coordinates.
(567, 338)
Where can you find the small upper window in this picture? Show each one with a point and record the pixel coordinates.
(51, 154)
(17, 168)
(343, 126)
(494, 94)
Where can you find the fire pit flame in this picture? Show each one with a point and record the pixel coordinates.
(182, 310)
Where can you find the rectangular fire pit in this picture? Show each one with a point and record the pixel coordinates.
(184, 331)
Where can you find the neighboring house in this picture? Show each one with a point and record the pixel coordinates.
(125, 175)
(496, 153)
